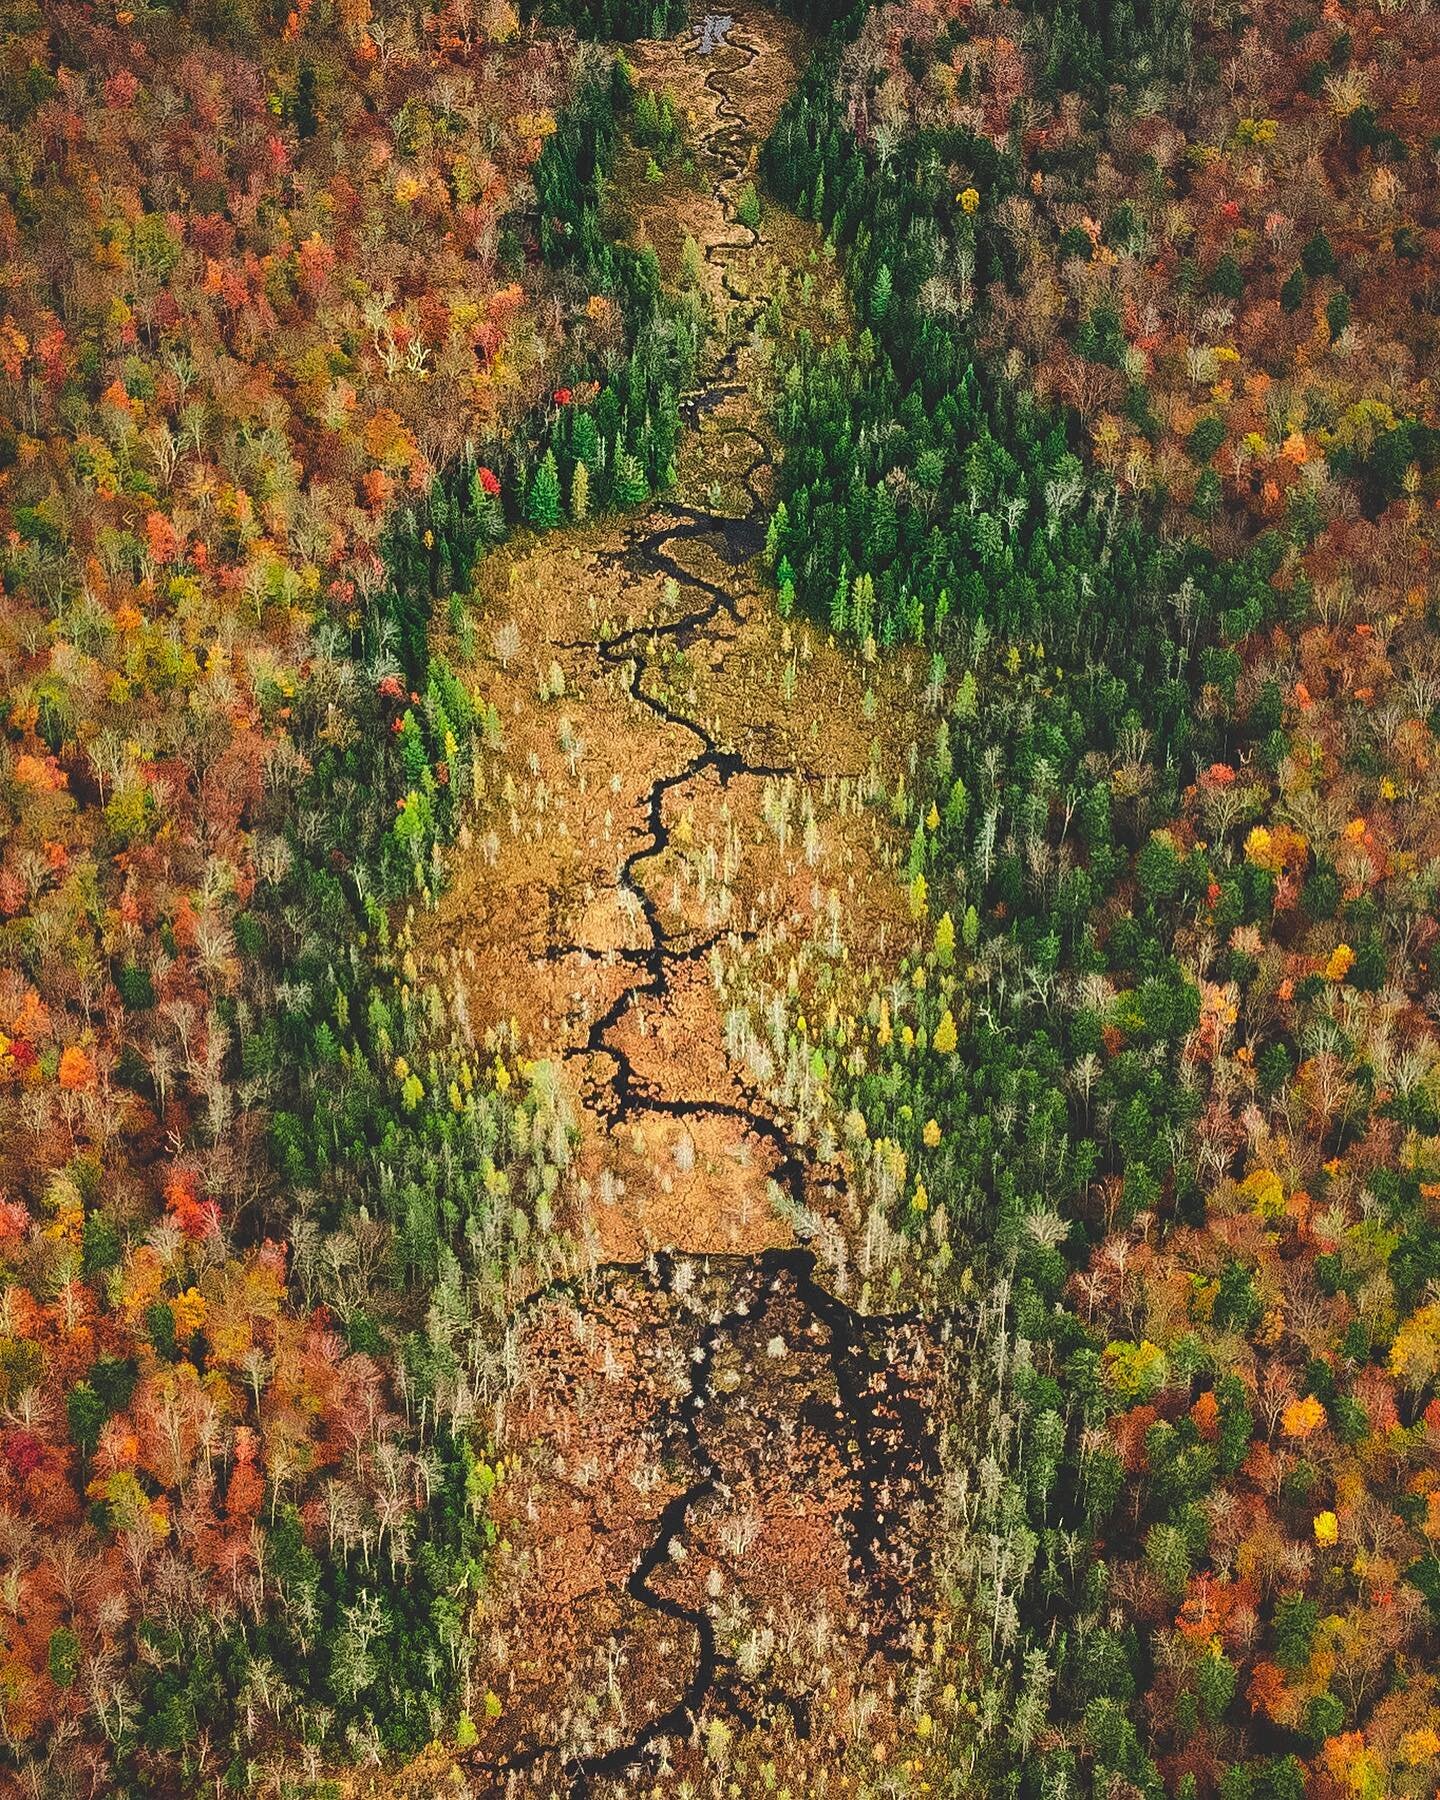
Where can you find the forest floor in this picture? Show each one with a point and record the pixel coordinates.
(715, 1515)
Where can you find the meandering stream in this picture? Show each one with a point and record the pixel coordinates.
(875, 1422)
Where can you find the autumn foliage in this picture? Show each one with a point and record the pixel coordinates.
(1191, 808)
(260, 279)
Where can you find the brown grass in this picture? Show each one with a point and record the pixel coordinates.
(540, 920)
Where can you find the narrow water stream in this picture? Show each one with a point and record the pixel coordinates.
(880, 1431)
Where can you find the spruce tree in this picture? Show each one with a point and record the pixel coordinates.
(580, 494)
(585, 439)
(775, 531)
(919, 849)
(862, 606)
(630, 488)
(840, 605)
(542, 503)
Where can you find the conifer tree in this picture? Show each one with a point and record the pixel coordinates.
(630, 488)
(542, 503)
(585, 439)
(862, 606)
(775, 531)
(840, 605)
(918, 847)
(580, 494)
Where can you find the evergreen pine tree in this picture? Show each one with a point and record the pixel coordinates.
(542, 503)
(630, 488)
(918, 849)
(645, 122)
(862, 607)
(585, 439)
(840, 605)
(580, 494)
(775, 530)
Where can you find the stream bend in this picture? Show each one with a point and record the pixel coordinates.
(879, 1427)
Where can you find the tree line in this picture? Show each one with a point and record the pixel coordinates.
(1035, 1064)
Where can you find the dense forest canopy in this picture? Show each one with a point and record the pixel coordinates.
(290, 308)
(1140, 435)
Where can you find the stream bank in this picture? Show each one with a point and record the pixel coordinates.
(715, 1528)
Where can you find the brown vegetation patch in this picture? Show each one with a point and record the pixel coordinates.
(756, 748)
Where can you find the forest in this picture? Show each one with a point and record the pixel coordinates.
(719, 862)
